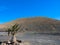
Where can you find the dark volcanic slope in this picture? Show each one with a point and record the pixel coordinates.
(40, 24)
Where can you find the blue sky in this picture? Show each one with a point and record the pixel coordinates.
(13, 9)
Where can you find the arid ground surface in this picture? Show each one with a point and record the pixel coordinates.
(34, 38)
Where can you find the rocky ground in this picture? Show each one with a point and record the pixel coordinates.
(35, 39)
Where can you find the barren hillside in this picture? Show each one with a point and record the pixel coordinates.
(39, 24)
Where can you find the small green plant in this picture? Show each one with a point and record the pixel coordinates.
(13, 31)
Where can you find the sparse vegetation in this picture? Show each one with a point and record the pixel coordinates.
(13, 30)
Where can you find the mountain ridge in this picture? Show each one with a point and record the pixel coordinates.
(37, 24)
